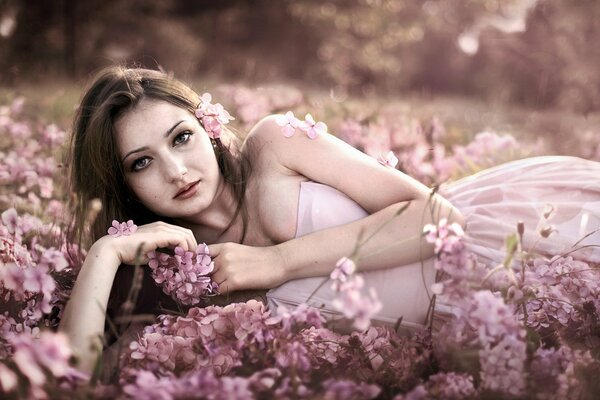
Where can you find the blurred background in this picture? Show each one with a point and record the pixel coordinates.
(542, 53)
(531, 65)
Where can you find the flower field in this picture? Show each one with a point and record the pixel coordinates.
(528, 328)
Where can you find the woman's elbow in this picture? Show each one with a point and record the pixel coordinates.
(438, 208)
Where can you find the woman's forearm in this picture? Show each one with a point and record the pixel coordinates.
(393, 240)
(85, 313)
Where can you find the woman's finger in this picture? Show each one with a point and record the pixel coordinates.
(224, 287)
(218, 278)
(186, 240)
(214, 249)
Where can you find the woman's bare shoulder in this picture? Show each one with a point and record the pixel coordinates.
(260, 145)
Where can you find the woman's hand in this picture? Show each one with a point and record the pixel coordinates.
(85, 313)
(239, 267)
(147, 238)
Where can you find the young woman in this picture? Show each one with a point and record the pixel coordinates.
(277, 210)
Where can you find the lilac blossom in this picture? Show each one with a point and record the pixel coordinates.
(312, 128)
(212, 116)
(450, 386)
(554, 372)
(184, 276)
(346, 389)
(389, 160)
(288, 123)
(250, 105)
(241, 350)
(558, 291)
(351, 300)
(122, 228)
(41, 361)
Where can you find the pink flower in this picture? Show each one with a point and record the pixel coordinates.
(212, 116)
(55, 258)
(8, 379)
(348, 389)
(122, 229)
(36, 357)
(185, 276)
(351, 132)
(53, 135)
(344, 268)
(356, 305)
(212, 126)
(389, 160)
(10, 219)
(288, 123)
(312, 128)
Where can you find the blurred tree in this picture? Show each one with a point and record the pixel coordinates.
(553, 63)
(536, 52)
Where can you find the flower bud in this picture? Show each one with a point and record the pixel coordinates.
(520, 228)
(548, 211)
(546, 231)
(514, 293)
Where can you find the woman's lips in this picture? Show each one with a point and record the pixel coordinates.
(187, 191)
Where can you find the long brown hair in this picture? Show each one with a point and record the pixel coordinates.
(95, 169)
(97, 173)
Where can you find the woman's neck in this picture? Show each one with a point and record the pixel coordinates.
(215, 224)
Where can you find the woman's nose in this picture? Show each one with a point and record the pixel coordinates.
(175, 168)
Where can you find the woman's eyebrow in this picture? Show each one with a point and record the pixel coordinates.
(146, 147)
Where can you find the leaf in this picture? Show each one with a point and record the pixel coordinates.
(511, 246)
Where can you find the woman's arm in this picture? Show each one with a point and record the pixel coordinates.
(381, 191)
(85, 313)
(394, 238)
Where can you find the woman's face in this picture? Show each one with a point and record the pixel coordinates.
(168, 159)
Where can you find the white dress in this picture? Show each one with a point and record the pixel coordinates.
(492, 201)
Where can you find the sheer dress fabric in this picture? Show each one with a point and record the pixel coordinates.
(492, 201)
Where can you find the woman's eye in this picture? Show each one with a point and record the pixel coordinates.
(140, 163)
(182, 138)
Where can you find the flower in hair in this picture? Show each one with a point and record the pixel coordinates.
(122, 228)
(212, 116)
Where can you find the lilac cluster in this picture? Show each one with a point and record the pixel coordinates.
(218, 336)
(287, 355)
(443, 385)
(347, 389)
(252, 105)
(207, 385)
(351, 300)
(563, 294)
(243, 351)
(38, 366)
(392, 361)
(421, 149)
(204, 384)
(28, 167)
(458, 270)
(555, 373)
(483, 321)
(490, 339)
(184, 276)
(27, 272)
